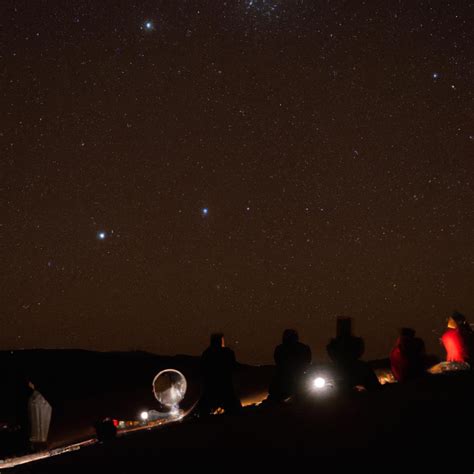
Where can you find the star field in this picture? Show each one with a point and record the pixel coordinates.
(169, 169)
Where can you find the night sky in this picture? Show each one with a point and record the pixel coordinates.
(170, 168)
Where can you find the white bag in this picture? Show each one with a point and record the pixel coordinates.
(39, 413)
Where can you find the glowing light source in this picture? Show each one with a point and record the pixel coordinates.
(148, 25)
(205, 211)
(101, 235)
(144, 415)
(319, 383)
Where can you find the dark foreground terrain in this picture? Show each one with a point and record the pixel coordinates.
(84, 386)
(428, 421)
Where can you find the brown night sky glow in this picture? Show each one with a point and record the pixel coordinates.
(171, 168)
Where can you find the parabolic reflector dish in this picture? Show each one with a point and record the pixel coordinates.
(169, 387)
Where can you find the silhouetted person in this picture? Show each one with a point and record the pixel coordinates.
(106, 429)
(345, 351)
(407, 358)
(217, 367)
(292, 359)
(23, 389)
(458, 340)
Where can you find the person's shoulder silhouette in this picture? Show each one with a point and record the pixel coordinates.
(292, 359)
(407, 358)
(218, 364)
(217, 357)
(345, 350)
(291, 352)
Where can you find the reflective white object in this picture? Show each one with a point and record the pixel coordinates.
(39, 413)
(169, 388)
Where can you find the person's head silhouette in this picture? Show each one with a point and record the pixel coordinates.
(289, 336)
(456, 320)
(217, 339)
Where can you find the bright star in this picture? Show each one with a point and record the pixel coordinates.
(205, 211)
(435, 75)
(101, 235)
(149, 25)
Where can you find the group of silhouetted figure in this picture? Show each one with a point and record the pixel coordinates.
(408, 361)
(293, 363)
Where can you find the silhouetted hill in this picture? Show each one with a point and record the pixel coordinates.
(427, 420)
(57, 373)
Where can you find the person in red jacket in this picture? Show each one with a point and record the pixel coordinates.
(407, 358)
(458, 340)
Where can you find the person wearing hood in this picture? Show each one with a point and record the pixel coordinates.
(458, 339)
(407, 358)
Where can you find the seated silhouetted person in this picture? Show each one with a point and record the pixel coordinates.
(292, 359)
(407, 358)
(217, 366)
(345, 350)
(458, 340)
